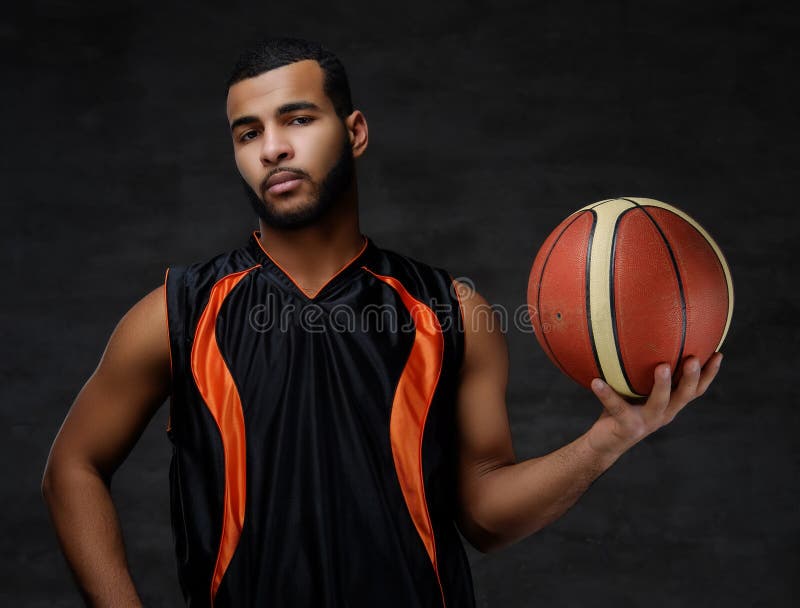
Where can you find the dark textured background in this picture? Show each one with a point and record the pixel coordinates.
(488, 124)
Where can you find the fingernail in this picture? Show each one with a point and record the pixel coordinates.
(597, 384)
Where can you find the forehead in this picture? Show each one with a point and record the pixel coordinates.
(265, 92)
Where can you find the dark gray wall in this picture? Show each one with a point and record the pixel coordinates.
(488, 124)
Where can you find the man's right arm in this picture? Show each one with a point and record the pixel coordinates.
(131, 382)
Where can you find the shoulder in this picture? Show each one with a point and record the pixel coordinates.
(200, 276)
(420, 277)
(484, 335)
(216, 267)
(473, 304)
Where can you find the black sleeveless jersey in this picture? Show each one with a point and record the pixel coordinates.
(313, 438)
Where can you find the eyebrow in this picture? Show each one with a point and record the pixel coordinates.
(286, 108)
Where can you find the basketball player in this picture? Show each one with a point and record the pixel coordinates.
(337, 410)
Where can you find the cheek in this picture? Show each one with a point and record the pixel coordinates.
(329, 153)
(244, 164)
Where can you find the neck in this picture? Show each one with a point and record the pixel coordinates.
(312, 255)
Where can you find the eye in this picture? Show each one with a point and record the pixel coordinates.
(246, 135)
(304, 120)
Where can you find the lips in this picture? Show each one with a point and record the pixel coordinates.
(283, 181)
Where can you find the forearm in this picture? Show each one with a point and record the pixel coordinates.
(517, 500)
(90, 536)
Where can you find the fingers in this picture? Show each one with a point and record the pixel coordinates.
(656, 403)
(658, 400)
(687, 387)
(612, 402)
(694, 383)
(709, 373)
(624, 424)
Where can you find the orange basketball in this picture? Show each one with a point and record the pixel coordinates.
(624, 284)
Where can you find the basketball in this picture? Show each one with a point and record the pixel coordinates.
(624, 284)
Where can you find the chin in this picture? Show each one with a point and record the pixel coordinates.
(300, 216)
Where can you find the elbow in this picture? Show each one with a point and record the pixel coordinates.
(481, 536)
(483, 546)
(66, 475)
(489, 531)
(485, 543)
(490, 544)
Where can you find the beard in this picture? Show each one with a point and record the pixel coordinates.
(324, 198)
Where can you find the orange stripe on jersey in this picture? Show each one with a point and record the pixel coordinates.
(412, 400)
(215, 383)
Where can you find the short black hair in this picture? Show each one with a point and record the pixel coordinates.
(266, 54)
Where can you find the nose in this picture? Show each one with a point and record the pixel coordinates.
(275, 148)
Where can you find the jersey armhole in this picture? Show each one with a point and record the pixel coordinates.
(463, 327)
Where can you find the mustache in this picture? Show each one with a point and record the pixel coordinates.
(295, 170)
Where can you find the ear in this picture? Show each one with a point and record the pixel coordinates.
(357, 132)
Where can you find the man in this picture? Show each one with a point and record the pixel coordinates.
(336, 409)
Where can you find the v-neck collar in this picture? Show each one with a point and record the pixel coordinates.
(339, 277)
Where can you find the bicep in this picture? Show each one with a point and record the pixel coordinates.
(130, 382)
(483, 428)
